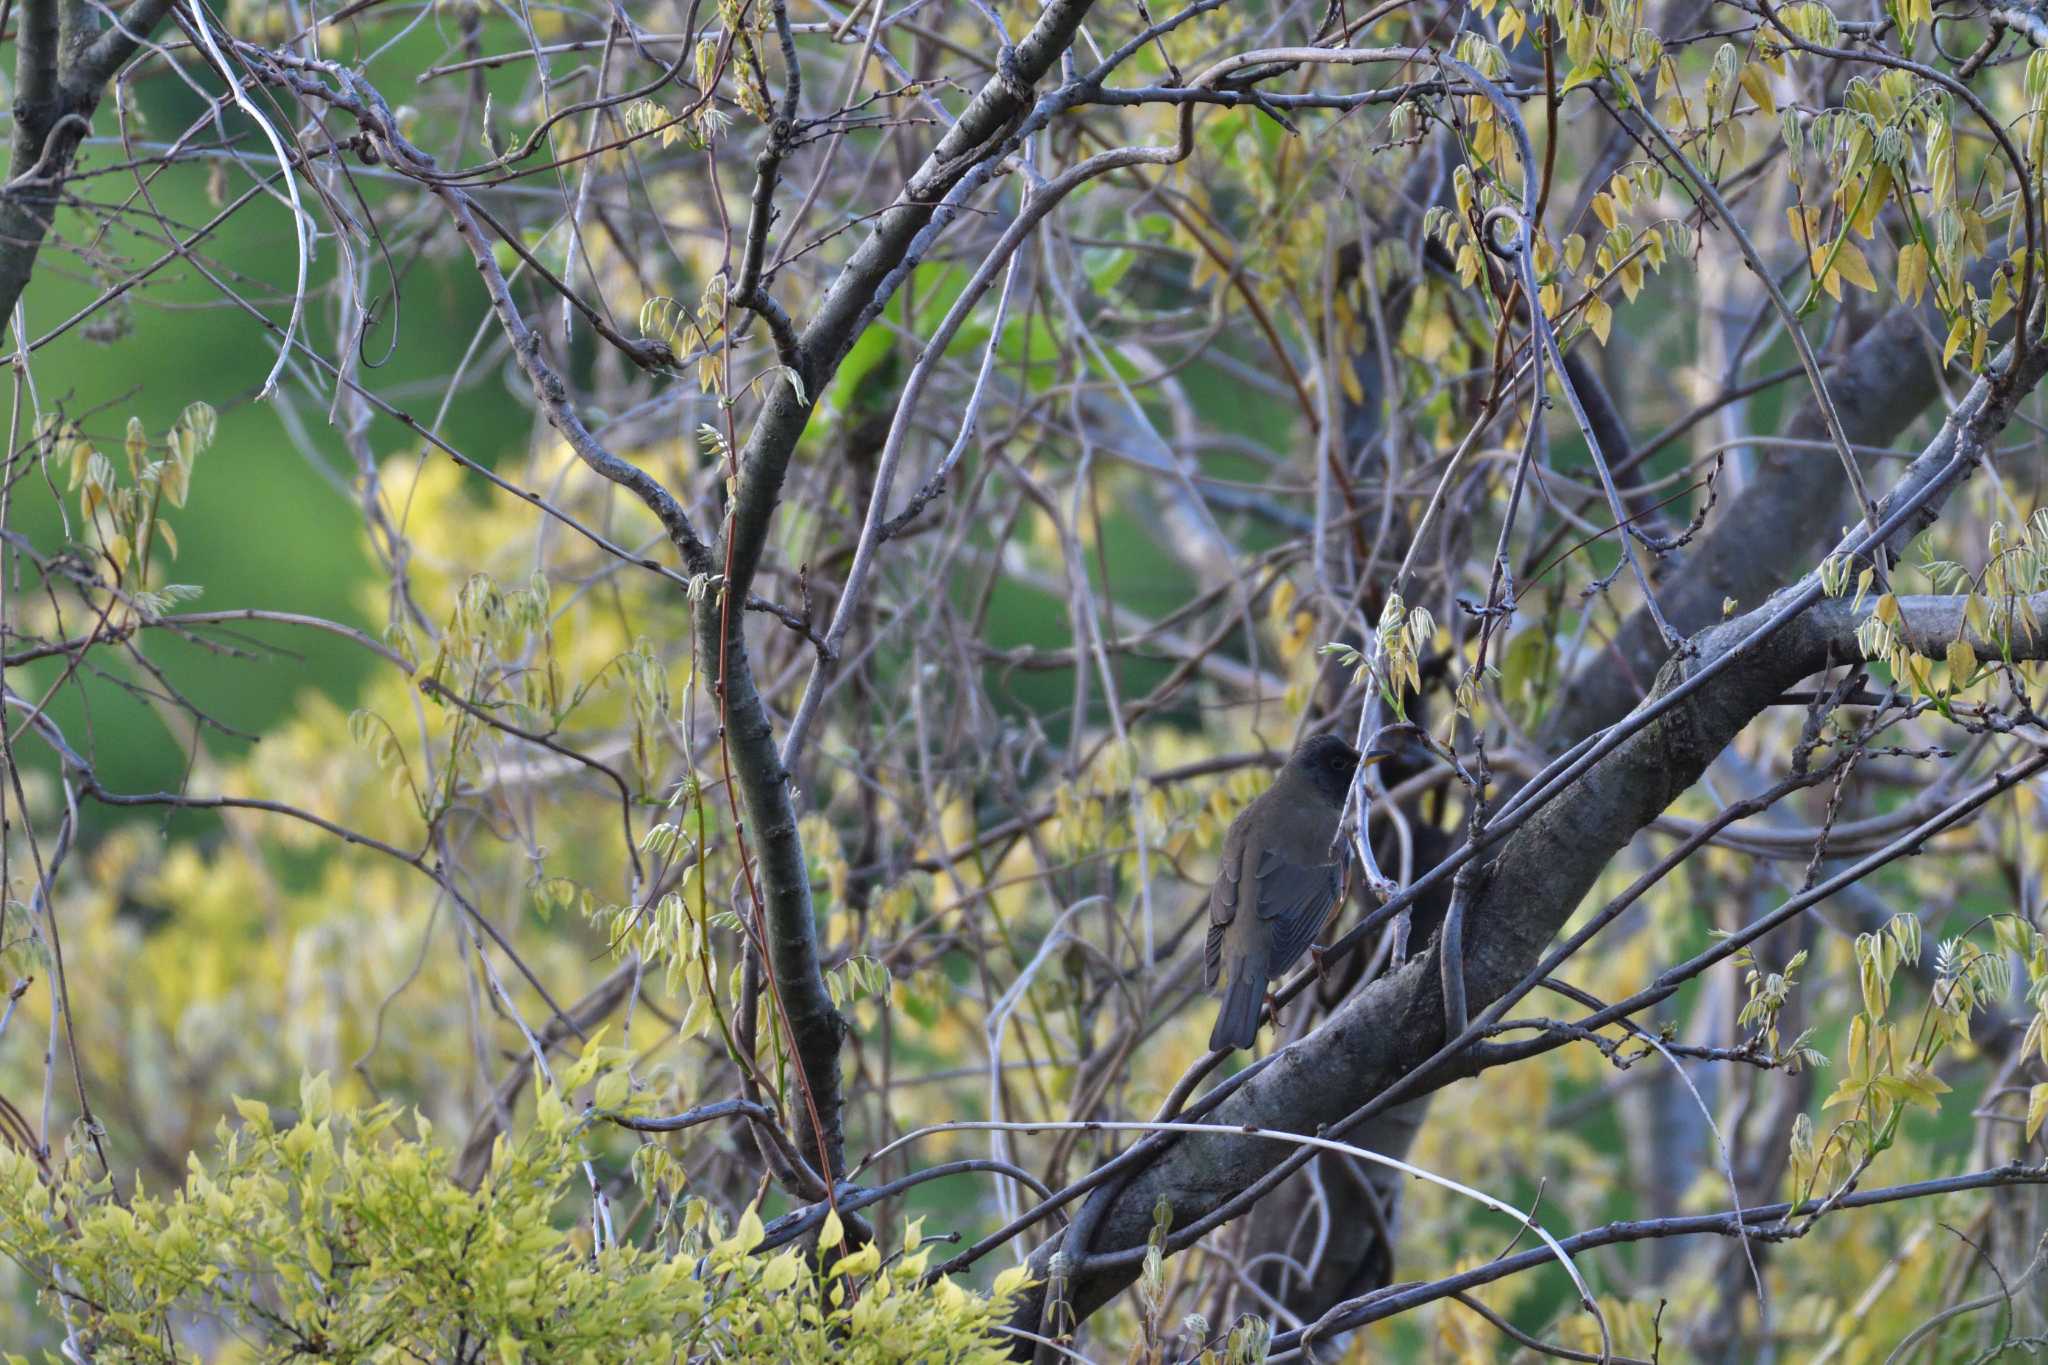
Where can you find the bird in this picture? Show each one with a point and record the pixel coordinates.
(1280, 878)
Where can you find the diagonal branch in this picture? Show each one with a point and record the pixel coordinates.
(1383, 1035)
(1774, 526)
(1770, 1220)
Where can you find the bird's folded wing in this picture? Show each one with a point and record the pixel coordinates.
(1296, 898)
(1223, 900)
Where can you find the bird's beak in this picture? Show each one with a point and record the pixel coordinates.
(1395, 740)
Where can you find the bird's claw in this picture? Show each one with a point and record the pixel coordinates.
(1321, 962)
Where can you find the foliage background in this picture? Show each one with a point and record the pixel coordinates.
(992, 849)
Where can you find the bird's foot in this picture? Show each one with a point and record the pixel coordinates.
(1273, 1008)
(1320, 962)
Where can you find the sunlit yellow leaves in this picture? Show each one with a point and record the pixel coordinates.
(1599, 316)
(316, 1098)
(1962, 663)
(1802, 1166)
(1958, 333)
(1469, 264)
(1849, 263)
(1722, 85)
(1010, 1282)
(1756, 82)
(1629, 275)
(1917, 1085)
(136, 445)
(346, 1229)
(1813, 21)
(1831, 258)
(865, 1261)
(1941, 165)
(782, 1272)
(117, 551)
(612, 1090)
(550, 1114)
(1512, 27)
(1912, 272)
(1911, 16)
(746, 1235)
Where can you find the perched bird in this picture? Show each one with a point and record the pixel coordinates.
(1280, 879)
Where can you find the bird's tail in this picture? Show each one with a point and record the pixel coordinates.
(1237, 1022)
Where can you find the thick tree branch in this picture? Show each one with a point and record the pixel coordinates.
(62, 64)
(1540, 873)
(854, 298)
(1776, 525)
(1769, 1221)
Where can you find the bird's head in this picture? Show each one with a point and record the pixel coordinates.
(1329, 764)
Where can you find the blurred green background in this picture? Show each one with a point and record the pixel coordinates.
(263, 528)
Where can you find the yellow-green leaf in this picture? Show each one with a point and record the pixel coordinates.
(1853, 266)
(1599, 316)
(781, 1273)
(316, 1098)
(749, 1233)
(1962, 663)
(1912, 272)
(1756, 81)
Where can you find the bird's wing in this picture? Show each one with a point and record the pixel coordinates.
(1296, 898)
(1224, 898)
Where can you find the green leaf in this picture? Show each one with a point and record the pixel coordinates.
(781, 1273)
(612, 1090)
(316, 1098)
(1962, 663)
(1585, 73)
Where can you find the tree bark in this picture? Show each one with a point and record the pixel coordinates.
(1533, 883)
(1774, 527)
(62, 64)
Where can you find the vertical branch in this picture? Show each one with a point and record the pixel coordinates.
(877, 267)
(61, 68)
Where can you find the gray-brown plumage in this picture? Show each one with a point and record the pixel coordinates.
(1281, 876)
